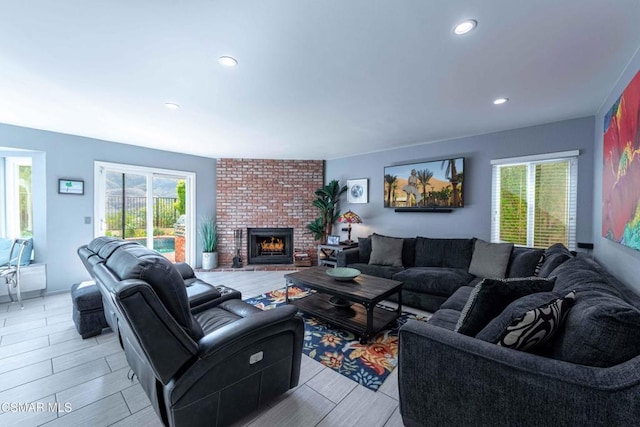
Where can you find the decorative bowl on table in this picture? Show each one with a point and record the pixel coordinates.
(343, 274)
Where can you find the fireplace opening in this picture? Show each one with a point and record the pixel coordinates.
(270, 245)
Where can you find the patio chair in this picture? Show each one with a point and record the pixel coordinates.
(10, 271)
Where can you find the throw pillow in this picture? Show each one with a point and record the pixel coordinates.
(553, 257)
(601, 330)
(524, 261)
(408, 249)
(490, 297)
(5, 250)
(490, 260)
(386, 251)
(26, 254)
(528, 323)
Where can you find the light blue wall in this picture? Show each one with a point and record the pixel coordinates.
(620, 260)
(475, 218)
(59, 227)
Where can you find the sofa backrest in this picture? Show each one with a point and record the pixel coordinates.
(449, 253)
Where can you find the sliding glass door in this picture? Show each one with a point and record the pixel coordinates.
(151, 206)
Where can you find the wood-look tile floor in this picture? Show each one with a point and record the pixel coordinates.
(50, 376)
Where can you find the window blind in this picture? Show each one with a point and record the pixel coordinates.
(534, 202)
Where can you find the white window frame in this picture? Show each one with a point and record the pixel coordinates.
(570, 156)
(149, 173)
(12, 193)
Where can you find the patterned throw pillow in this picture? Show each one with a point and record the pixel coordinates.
(554, 256)
(539, 266)
(491, 296)
(538, 325)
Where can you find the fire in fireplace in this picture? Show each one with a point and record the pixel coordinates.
(270, 245)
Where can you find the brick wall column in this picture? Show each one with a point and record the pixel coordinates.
(255, 193)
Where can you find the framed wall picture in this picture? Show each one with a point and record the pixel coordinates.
(358, 190)
(333, 240)
(70, 186)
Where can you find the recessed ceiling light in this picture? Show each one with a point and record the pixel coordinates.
(500, 101)
(171, 105)
(227, 61)
(465, 26)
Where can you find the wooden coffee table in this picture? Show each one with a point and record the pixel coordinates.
(361, 316)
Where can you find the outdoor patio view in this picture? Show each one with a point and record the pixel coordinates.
(126, 211)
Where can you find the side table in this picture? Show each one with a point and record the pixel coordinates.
(328, 254)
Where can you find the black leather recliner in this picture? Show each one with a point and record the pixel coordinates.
(208, 364)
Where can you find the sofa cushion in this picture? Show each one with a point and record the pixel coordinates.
(432, 280)
(385, 271)
(601, 330)
(449, 253)
(364, 249)
(386, 251)
(421, 301)
(445, 318)
(408, 251)
(459, 298)
(529, 322)
(554, 256)
(523, 262)
(490, 260)
(491, 296)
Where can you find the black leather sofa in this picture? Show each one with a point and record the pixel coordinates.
(203, 356)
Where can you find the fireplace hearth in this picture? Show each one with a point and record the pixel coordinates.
(270, 245)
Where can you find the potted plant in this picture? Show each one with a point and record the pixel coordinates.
(327, 200)
(209, 235)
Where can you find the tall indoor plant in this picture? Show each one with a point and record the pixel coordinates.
(327, 200)
(209, 235)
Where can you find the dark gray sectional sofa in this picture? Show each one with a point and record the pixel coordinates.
(433, 269)
(587, 374)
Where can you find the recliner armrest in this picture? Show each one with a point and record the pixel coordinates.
(185, 270)
(211, 343)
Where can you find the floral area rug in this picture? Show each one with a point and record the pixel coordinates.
(367, 364)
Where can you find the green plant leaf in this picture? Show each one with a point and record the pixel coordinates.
(209, 234)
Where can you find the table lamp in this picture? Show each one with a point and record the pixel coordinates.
(349, 217)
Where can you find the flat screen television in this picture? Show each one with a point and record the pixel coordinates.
(437, 184)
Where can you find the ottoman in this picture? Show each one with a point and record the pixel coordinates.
(88, 313)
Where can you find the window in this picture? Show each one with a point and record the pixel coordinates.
(18, 197)
(534, 200)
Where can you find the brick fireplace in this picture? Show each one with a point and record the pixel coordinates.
(261, 193)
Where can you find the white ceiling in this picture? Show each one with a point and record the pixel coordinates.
(315, 79)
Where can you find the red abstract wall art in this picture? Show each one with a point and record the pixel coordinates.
(621, 169)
